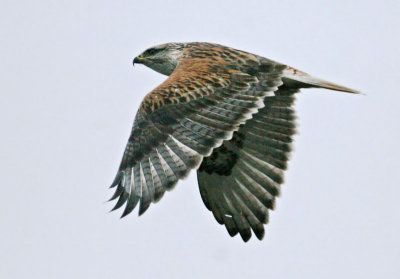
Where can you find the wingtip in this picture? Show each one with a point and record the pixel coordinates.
(112, 209)
(123, 214)
(260, 233)
(245, 236)
(143, 208)
(117, 180)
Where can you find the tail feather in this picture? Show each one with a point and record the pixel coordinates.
(296, 78)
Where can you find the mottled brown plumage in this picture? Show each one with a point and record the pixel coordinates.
(224, 111)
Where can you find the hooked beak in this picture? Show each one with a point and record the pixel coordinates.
(136, 60)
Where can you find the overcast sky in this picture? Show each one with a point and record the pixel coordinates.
(69, 94)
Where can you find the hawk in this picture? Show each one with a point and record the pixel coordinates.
(225, 112)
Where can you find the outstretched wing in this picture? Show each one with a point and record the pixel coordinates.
(242, 177)
(202, 103)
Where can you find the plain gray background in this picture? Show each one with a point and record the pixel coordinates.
(68, 98)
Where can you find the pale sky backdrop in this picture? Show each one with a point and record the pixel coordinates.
(69, 94)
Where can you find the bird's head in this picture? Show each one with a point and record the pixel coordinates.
(162, 58)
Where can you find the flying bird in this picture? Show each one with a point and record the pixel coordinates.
(225, 112)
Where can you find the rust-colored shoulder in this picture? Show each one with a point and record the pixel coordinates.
(193, 78)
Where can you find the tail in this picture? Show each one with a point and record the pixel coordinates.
(299, 79)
